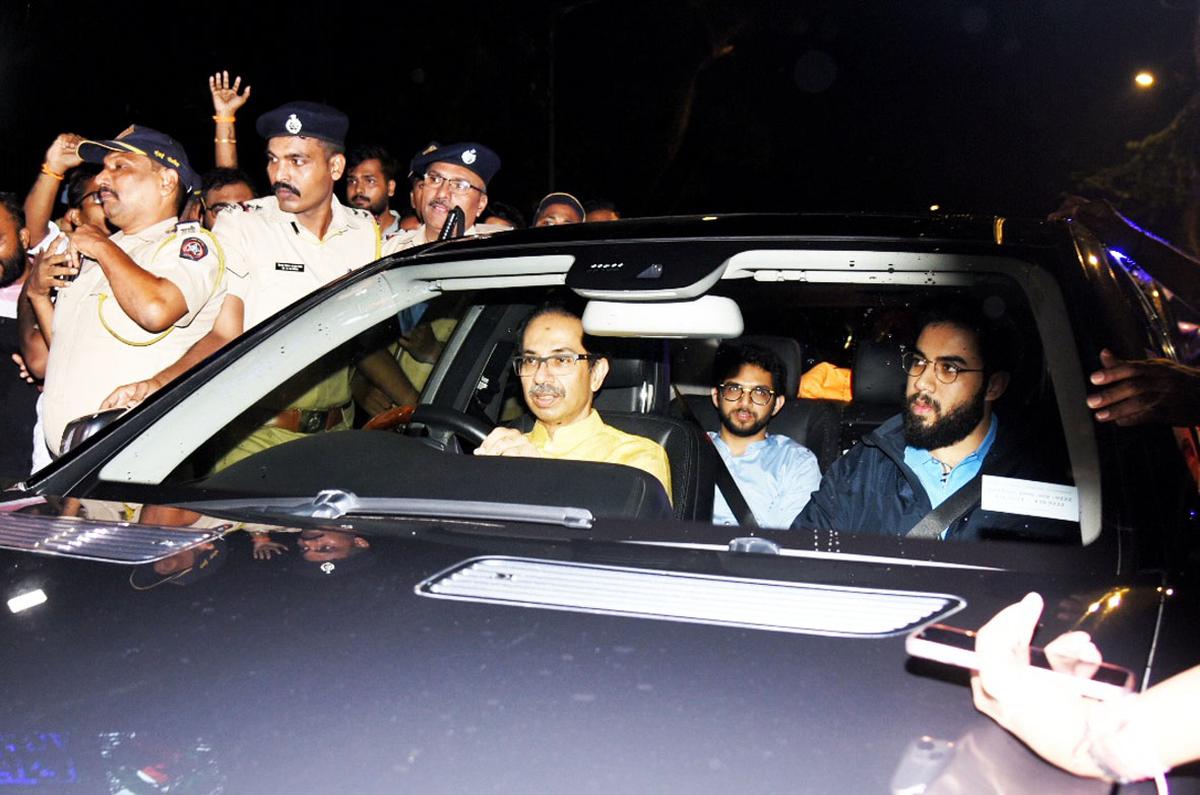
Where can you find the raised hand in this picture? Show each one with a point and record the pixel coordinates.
(227, 99)
(63, 154)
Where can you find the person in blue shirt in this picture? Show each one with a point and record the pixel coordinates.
(946, 435)
(775, 474)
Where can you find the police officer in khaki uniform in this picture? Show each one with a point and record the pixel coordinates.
(283, 247)
(278, 250)
(456, 175)
(112, 309)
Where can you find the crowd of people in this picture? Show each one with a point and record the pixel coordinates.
(153, 266)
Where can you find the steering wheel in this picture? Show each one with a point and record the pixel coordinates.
(388, 419)
(461, 424)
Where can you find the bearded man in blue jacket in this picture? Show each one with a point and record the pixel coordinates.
(947, 436)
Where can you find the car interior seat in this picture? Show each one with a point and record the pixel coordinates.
(638, 379)
(692, 475)
(877, 387)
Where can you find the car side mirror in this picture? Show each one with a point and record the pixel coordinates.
(81, 429)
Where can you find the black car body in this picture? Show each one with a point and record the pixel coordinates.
(491, 625)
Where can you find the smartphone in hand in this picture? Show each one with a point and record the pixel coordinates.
(954, 646)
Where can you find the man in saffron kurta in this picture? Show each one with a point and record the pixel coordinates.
(559, 377)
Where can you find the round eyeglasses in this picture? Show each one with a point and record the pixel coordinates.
(759, 395)
(947, 372)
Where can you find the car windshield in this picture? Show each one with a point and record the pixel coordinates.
(317, 402)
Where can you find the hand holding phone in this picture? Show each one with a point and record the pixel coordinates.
(72, 260)
(1068, 664)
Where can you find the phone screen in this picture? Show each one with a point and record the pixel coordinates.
(956, 646)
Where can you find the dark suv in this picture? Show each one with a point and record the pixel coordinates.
(377, 610)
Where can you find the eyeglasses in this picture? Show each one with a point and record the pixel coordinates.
(556, 363)
(460, 185)
(220, 207)
(90, 198)
(759, 395)
(947, 372)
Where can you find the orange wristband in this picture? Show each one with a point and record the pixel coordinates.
(226, 119)
(51, 173)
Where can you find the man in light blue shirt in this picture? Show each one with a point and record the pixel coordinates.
(775, 474)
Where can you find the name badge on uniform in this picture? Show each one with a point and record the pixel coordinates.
(290, 267)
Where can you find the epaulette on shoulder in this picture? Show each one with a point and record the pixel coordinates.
(361, 214)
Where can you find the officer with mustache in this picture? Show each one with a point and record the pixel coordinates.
(111, 308)
(279, 249)
(455, 175)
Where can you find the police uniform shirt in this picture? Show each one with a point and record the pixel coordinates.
(96, 347)
(393, 228)
(416, 237)
(273, 260)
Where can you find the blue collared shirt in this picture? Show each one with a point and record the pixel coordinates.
(929, 470)
(776, 476)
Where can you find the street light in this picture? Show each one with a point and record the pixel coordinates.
(1144, 79)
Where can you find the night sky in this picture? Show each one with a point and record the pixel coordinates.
(664, 107)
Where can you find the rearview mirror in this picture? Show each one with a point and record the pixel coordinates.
(707, 316)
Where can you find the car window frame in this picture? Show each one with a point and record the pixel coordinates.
(371, 300)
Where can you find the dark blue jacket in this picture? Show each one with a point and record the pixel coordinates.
(871, 490)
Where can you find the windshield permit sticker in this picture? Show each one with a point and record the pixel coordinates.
(1030, 498)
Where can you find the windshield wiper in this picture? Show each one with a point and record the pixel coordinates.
(336, 503)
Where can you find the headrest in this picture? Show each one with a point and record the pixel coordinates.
(878, 376)
(624, 373)
(637, 379)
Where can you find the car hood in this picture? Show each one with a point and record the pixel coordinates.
(347, 670)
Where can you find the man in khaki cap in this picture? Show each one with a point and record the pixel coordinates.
(131, 304)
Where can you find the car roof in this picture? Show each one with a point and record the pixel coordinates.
(915, 230)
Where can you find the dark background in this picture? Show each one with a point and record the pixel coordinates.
(663, 106)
